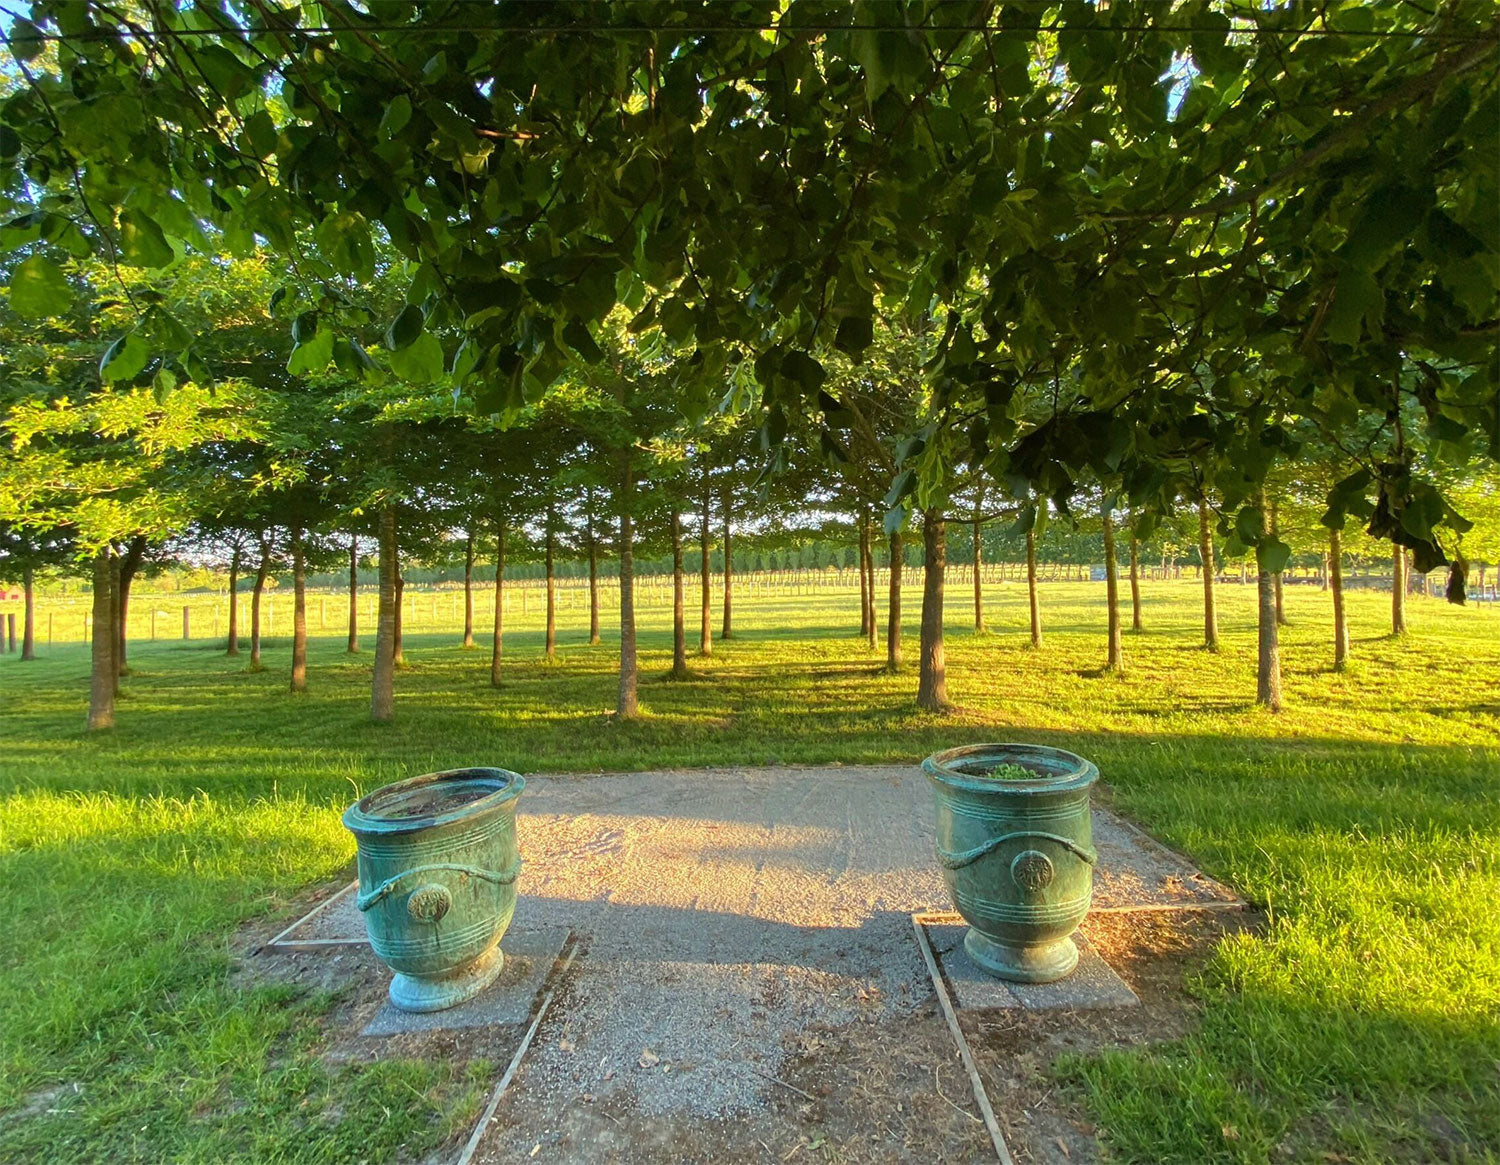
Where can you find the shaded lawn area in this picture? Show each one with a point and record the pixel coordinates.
(1361, 1023)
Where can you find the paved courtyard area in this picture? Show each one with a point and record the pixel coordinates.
(733, 924)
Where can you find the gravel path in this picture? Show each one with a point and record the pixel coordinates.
(723, 909)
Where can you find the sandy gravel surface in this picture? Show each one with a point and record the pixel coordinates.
(723, 910)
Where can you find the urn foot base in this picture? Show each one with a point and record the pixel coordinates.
(410, 993)
(1030, 964)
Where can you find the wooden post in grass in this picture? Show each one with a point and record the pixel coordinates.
(153, 624)
(10, 622)
(186, 632)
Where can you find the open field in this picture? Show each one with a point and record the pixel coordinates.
(1365, 818)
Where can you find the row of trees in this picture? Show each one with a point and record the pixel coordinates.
(912, 264)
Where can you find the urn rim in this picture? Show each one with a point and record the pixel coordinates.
(397, 808)
(1058, 771)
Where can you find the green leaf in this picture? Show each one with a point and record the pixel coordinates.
(803, 370)
(142, 243)
(396, 115)
(854, 335)
(260, 134)
(578, 338)
(1272, 554)
(420, 362)
(25, 40)
(312, 355)
(1248, 524)
(38, 289)
(345, 241)
(405, 328)
(351, 358)
(124, 359)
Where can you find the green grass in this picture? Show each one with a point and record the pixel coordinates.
(1360, 1024)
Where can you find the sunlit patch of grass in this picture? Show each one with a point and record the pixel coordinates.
(1364, 817)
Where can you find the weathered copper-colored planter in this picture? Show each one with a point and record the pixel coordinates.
(1017, 854)
(437, 880)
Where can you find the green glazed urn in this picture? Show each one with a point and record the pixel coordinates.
(437, 880)
(1017, 853)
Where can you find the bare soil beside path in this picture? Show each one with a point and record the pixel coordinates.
(749, 987)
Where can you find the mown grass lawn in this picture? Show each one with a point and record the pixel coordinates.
(1361, 1025)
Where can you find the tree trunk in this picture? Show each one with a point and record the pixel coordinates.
(1398, 591)
(497, 636)
(1116, 659)
(978, 564)
(705, 632)
(1275, 532)
(1336, 585)
(102, 672)
(469, 588)
(1206, 558)
(128, 566)
(726, 630)
(1268, 663)
(932, 681)
(232, 644)
(869, 569)
(1036, 606)
(593, 575)
(353, 645)
(383, 685)
(28, 632)
(893, 607)
(626, 704)
(679, 623)
(1135, 585)
(551, 585)
(864, 579)
(398, 656)
(299, 613)
(261, 571)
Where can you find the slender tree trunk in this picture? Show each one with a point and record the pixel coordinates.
(28, 632)
(1135, 585)
(551, 586)
(726, 508)
(1336, 585)
(232, 644)
(869, 569)
(398, 656)
(626, 704)
(679, 619)
(261, 571)
(1206, 558)
(978, 567)
(705, 632)
(1398, 591)
(1268, 663)
(1275, 532)
(128, 566)
(383, 685)
(864, 579)
(1036, 606)
(497, 640)
(932, 681)
(893, 607)
(1116, 658)
(299, 613)
(469, 588)
(353, 645)
(593, 575)
(102, 671)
